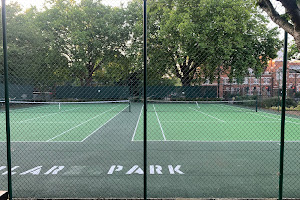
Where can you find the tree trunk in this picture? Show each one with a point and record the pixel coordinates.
(297, 39)
(293, 11)
(89, 78)
(187, 77)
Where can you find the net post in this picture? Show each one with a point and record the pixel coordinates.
(8, 144)
(283, 116)
(278, 102)
(256, 104)
(129, 105)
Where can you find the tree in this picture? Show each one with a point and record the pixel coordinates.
(290, 21)
(199, 39)
(30, 57)
(90, 35)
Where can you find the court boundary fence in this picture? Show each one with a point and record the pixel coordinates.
(7, 101)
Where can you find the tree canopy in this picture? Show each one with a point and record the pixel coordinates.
(88, 43)
(198, 39)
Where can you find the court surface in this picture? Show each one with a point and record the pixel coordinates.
(195, 150)
(214, 122)
(60, 122)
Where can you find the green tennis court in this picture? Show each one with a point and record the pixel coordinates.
(68, 141)
(188, 121)
(59, 122)
(214, 122)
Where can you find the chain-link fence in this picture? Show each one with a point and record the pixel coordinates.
(213, 99)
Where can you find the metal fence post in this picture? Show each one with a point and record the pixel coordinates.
(145, 99)
(6, 100)
(283, 115)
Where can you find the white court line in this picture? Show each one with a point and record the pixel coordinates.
(226, 141)
(192, 141)
(207, 114)
(42, 142)
(60, 122)
(103, 124)
(276, 118)
(79, 125)
(279, 119)
(19, 110)
(132, 139)
(45, 116)
(225, 121)
(162, 131)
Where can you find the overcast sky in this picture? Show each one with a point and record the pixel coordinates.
(39, 3)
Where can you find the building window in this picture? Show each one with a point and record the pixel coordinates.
(226, 81)
(292, 75)
(234, 81)
(267, 81)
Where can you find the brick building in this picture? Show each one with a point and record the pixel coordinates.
(268, 84)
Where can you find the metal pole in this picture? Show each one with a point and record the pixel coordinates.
(145, 99)
(283, 115)
(279, 91)
(295, 88)
(8, 151)
(256, 104)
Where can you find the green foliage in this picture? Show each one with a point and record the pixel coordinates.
(91, 36)
(31, 59)
(270, 102)
(293, 52)
(88, 43)
(275, 102)
(216, 36)
(297, 95)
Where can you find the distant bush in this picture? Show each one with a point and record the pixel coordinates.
(275, 102)
(297, 95)
(242, 98)
(270, 102)
(291, 103)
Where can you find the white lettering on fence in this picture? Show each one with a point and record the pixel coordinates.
(176, 169)
(135, 169)
(12, 170)
(54, 170)
(153, 169)
(114, 169)
(34, 171)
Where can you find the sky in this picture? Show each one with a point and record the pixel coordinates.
(39, 3)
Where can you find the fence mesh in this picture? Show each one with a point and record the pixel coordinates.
(213, 101)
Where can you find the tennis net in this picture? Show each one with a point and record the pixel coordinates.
(90, 106)
(207, 106)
